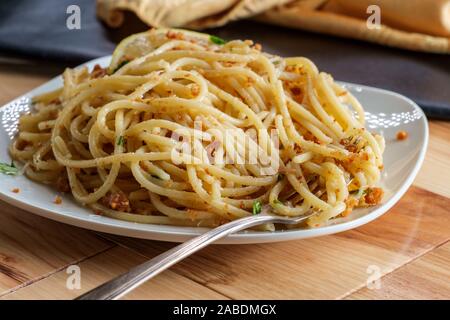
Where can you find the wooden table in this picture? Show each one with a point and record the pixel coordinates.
(409, 246)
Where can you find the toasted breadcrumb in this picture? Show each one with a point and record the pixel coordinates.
(373, 196)
(402, 135)
(117, 201)
(257, 46)
(98, 72)
(16, 190)
(62, 184)
(58, 200)
(296, 91)
(175, 35)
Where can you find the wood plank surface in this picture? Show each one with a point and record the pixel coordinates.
(19, 78)
(104, 267)
(32, 247)
(327, 267)
(424, 278)
(435, 172)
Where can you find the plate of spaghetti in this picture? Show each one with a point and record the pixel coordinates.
(180, 131)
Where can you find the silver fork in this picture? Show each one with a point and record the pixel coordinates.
(126, 282)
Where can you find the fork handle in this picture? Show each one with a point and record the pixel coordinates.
(126, 282)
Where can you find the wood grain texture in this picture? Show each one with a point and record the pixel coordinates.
(19, 78)
(104, 267)
(291, 270)
(325, 268)
(32, 247)
(416, 224)
(425, 278)
(435, 172)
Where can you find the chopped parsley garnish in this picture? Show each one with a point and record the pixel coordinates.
(120, 65)
(9, 169)
(217, 40)
(121, 141)
(257, 207)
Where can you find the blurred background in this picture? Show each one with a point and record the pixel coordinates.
(398, 45)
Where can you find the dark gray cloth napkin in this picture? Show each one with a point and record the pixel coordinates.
(37, 29)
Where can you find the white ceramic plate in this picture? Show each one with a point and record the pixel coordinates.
(387, 113)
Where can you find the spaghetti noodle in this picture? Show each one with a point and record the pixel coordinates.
(195, 131)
